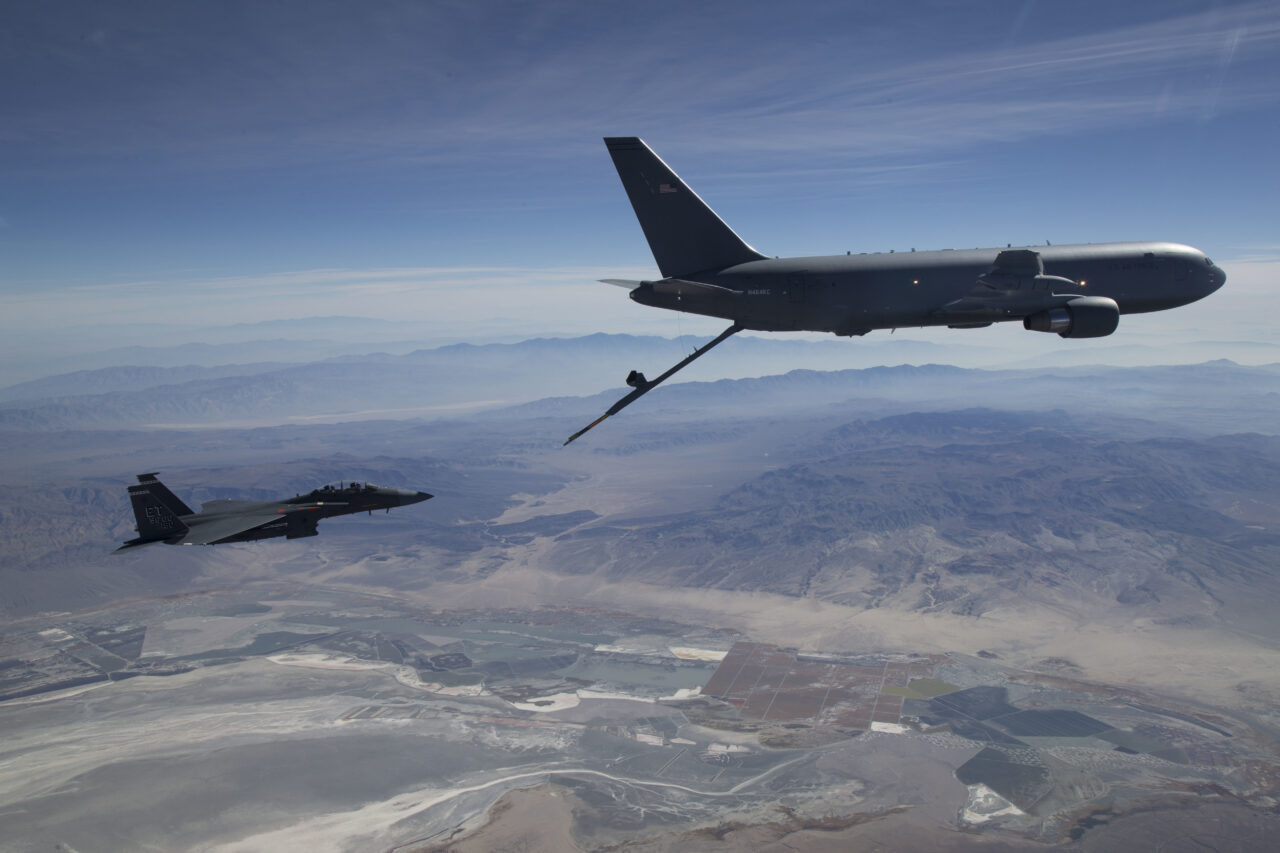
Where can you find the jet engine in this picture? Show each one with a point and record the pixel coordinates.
(300, 526)
(1082, 317)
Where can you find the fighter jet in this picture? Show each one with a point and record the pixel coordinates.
(162, 517)
(1074, 291)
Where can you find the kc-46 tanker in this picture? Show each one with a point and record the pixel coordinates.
(162, 517)
(1074, 291)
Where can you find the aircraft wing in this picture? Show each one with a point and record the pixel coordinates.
(221, 505)
(1017, 263)
(1015, 286)
(217, 529)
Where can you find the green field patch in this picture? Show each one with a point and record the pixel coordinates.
(895, 690)
(451, 679)
(263, 644)
(245, 609)
(927, 688)
(1134, 742)
(100, 659)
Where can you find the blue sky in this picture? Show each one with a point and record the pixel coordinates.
(229, 162)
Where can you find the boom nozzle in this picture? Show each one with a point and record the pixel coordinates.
(643, 386)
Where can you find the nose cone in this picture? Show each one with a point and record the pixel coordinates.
(1217, 278)
(408, 496)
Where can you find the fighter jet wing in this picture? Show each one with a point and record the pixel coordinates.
(217, 529)
(252, 516)
(221, 505)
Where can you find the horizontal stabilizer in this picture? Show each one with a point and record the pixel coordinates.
(135, 543)
(622, 282)
(680, 287)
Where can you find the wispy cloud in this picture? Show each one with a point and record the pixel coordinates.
(485, 300)
(1036, 88)
(505, 302)
(447, 82)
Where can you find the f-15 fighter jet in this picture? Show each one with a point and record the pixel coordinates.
(162, 517)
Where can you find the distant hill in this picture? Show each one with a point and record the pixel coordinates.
(971, 511)
(425, 382)
(431, 383)
(1127, 492)
(32, 354)
(111, 380)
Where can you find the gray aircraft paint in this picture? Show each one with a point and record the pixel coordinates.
(1076, 291)
(855, 294)
(163, 517)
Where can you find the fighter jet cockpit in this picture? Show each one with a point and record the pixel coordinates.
(344, 486)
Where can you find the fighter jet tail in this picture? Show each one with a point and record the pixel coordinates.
(686, 235)
(162, 494)
(156, 510)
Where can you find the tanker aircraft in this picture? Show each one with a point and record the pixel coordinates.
(1075, 291)
(162, 517)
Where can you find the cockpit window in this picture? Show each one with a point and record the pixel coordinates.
(1207, 262)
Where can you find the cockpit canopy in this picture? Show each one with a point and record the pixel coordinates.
(345, 487)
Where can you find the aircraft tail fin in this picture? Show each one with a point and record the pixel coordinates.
(162, 493)
(686, 235)
(157, 510)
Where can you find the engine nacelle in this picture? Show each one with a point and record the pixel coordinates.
(300, 526)
(1082, 317)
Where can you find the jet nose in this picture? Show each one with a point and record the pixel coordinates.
(1217, 278)
(408, 496)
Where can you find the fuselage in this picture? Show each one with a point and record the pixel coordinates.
(1073, 291)
(303, 511)
(163, 517)
(854, 294)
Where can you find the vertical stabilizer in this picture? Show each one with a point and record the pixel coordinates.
(685, 235)
(162, 493)
(156, 510)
